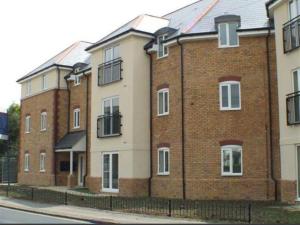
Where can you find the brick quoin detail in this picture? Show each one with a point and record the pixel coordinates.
(230, 78)
(162, 86)
(231, 142)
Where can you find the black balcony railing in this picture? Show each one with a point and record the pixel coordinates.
(291, 34)
(109, 72)
(293, 108)
(109, 125)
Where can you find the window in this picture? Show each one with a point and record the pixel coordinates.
(44, 82)
(163, 50)
(163, 102)
(163, 161)
(28, 88)
(43, 121)
(230, 95)
(76, 118)
(232, 160)
(294, 8)
(27, 124)
(296, 76)
(77, 80)
(26, 162)
(110, 172)
(228, 36)
(42, 162)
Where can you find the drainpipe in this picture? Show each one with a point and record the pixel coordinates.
(270, 114)
(69, 100)
(182, 118)
(86, 128)
(151, 127)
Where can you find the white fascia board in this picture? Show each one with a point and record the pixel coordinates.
(255, 33)
(275, 4)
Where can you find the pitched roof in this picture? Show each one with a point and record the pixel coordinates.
(70, 56)
(70, 140)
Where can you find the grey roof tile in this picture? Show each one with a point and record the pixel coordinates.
(70, 139)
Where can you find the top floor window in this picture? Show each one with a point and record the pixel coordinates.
(293, 101)
(28, 88)
(77, 80)
(228, 36)
(76, 118)
(163, 50)
(44, 82)
(294, 8)
(110, 70)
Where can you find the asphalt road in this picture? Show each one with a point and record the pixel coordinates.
(11, 216)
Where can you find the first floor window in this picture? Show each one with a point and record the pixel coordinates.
(26, 162)
(230, 95)
(110, 174)
(76, 118)
(163, 161)
(232, 160)
(42, 162)
(43, 121)
(163, 102)
(27, 124)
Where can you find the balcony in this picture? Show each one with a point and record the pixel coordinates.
(110, 72)
(293, 108)
(109, 125)
(291, 35)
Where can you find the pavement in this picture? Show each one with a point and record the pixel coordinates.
(87, 214)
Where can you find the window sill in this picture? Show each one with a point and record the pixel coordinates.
(110, 136)
(232, 175)
(75, 85)
(110, 190)
(26, 171)
(107, 84)
(27, 132)
(238, 109)
(162, 57)
(76, 128)
(42, 171)
(44, 130)
(228, 46)
(162, 115)
(163, 174)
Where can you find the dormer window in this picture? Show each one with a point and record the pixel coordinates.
(228, 36)
(77, 80)
(162, 48)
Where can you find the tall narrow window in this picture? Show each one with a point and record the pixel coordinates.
(296, 98)
(42, 162)
(230, 95)
(27, 124)
(163, 102)
(44, 82)
(110, 121)
(28, 88)
(26, 162)
(163, 161)
(231, 160)
(228, 36)
(162, 48)
(110, 172)
(76, 118)
(77, 80)
(294, 8)
(43, 121)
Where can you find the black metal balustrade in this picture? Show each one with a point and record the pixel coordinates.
(109, 125)
(291, 34)
(293, 108)
(109, 72)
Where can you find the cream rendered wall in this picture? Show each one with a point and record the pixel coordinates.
(36, 82)
(133, 92)
(286, 63)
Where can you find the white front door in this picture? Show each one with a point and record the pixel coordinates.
(110, 172)
(81, 169)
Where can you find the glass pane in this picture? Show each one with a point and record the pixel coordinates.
(161, 161)
(166, 161)
(160, 46)
(108, 73)
(161, 103)
(106, 173)
(236, 160)
(166, 102)
(116, 52)
(116, 71)
(293, 9)
(223, 33)
(107, 124)
(226, 161)
(296, 81)
(115, 105)
(225, 102)
(235, 96)
(115, 171)
(106, 107)
(298, 162)
(108, 55)
(233, 37)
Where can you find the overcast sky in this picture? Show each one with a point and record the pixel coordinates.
(33, 31)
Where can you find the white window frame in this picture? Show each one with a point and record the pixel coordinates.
(293, 78)
(42, 162)
(28, 124)
(297, 3)
(44, 82)
(164, 150)
(28, 88)
(26, 162)
(77, 80)
(231, 148)
(227, 45)
(110, 99)
(165, 54)
(164, 91)
(113, 57)
(228, 84)
(110, 190)
(43, 121)
(76, 118)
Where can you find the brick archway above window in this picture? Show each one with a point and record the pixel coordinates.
(43, 110)
(162, 86)
(230, 78)
(43, 151)
(76, 106)
(27, 114)
(164, 145)
(231, 142)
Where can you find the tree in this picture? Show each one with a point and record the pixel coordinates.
(13, 130)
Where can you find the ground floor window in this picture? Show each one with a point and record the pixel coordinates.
(26, 162)
(110, 168)
(42, 162)
(163, 161)
(232, 160)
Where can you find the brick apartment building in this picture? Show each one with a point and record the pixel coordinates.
(184, 108)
